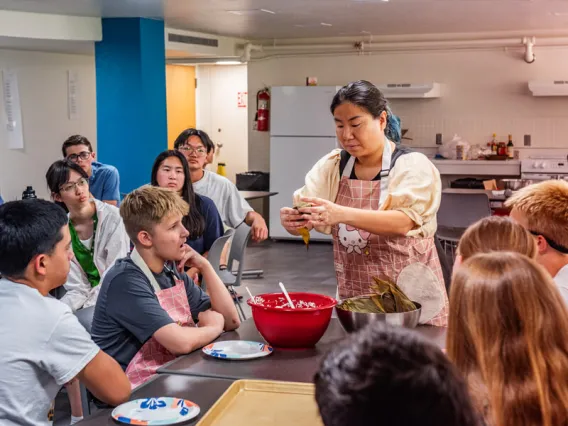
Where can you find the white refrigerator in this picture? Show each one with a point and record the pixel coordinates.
(301, 132)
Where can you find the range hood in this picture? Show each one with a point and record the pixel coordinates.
(410, 90)
(549, 88)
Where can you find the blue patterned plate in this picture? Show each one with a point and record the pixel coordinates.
(238, 349)
(156, 411)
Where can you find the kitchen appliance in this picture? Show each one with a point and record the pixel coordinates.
(302, 131)
(544, 168)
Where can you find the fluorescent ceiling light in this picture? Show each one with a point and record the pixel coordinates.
(325, 24)
(251, 12)
(228, 63)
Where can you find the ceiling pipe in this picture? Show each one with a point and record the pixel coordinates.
(529, 52)
(247, 51)
(303, 49)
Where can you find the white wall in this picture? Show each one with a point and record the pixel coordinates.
(486, 92)
(218, 114)
(43, 97)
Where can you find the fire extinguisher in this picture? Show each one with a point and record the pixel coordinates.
(262, 110)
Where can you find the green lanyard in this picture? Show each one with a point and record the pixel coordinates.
(85, 256)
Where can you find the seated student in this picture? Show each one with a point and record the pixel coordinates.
(104, 181)
(507, 337)
(43, 345)
(98, 239)
(203, 222)
(98, 236)
(233, 208)
(495, 233)
(543, 210)
(391, 376)
(147, 309)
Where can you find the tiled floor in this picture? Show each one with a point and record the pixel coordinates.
(285, 261)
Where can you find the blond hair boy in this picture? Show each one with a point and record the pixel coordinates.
(542, 209)
(130, 312)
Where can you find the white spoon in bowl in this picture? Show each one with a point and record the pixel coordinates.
(287, 296)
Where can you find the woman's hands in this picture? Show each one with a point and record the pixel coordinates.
(322, 212)
(292, 220)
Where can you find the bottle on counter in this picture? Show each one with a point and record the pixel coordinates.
(494, 144)
(510, 148)
(502, 149)
(221, 169)
(28, 193)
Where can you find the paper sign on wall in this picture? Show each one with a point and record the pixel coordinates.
(242, 99)
(73, 94)
(12, 110)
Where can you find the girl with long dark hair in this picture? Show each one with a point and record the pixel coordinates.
(203, 222)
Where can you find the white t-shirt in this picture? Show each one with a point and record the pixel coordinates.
(232, 207)
(561, 280)
(42, 347)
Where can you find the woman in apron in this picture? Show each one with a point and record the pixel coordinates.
(378, 201)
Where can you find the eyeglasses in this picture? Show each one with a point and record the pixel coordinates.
(82, 155)
(71, 186)
(200, 152)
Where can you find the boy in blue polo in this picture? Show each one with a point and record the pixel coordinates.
(104, 181)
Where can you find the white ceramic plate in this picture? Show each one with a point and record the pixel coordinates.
(156, 411)
(238, 350)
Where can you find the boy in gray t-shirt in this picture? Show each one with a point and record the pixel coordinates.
(43, 344)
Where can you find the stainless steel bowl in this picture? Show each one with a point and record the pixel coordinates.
(516, 184)
(353, 321)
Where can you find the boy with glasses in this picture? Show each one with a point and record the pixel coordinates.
(542, 209)
(233, 208)
(104, 180)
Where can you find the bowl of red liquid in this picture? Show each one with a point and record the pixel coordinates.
(284, 327)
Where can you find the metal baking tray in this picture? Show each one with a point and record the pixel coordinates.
(264, 403)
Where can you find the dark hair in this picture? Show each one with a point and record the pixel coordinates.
(75, 140)
(28, 228)
(393, 377)
(58, 174)
(367, 96)
(187, 133)
(194, 221)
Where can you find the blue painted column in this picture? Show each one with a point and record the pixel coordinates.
(131, 97)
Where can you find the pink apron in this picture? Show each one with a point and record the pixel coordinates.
(359, 256)
(152, 355)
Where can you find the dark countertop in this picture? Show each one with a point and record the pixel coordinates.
(201, 390)
(294, 365)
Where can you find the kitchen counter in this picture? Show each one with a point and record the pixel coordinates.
(478, 167)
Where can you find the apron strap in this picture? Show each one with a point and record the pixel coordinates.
(138, 261)
(385, 169)
(384, 173)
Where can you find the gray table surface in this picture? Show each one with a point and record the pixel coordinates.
(294, 365)
(253, 195)
(204, 391)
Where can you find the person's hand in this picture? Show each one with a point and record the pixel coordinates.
(193, 273)
(292, 220)
(192, 259)
(211, 318)
(322, 212)
(259, 230)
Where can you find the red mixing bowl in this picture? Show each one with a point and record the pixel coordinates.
(284, 327)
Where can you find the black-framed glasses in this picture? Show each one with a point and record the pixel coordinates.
(71, 186)
(551, 243)
(82, 155)
(200, 152)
